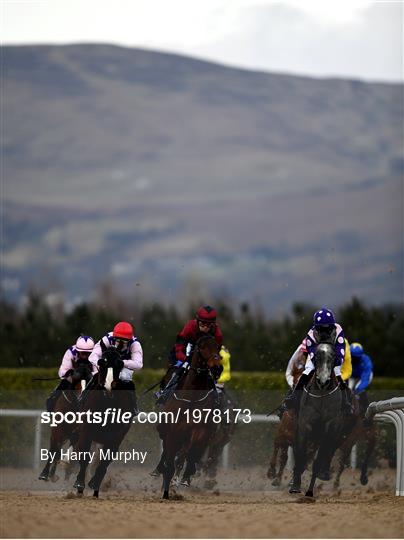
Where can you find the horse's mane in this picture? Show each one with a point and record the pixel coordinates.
(111, 354)
(205, 338)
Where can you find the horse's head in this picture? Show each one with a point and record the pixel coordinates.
(81, 374)
(206, 353)
(109, 367)
(324, 359)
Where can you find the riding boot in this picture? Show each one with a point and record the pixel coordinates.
(293, 400)
(52, 399)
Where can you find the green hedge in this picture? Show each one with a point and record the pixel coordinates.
(21, 379)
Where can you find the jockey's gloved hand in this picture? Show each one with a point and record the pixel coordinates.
(102, 362)
(178, 364)
(68, 373)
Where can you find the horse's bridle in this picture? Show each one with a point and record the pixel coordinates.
(193, 400)
(320, 395)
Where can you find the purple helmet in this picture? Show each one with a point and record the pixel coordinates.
(323, 317)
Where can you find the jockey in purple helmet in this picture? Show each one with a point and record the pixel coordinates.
(324, 330)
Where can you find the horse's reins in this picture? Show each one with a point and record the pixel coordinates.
(193, 400)
(321, 395)
(198, 371)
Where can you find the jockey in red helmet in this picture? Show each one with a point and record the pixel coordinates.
(203, 323)
(122, 339)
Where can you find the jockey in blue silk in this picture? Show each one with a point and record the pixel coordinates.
(362, 375)
(325, 329)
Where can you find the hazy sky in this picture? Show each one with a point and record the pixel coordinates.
(353, 38)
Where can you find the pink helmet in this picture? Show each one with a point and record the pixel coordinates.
(85, 344)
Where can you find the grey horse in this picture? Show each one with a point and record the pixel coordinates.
(320, 419)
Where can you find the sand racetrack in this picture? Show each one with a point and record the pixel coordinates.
(354, 513)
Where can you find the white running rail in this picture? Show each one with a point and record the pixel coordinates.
(392, 410)
(398, 420)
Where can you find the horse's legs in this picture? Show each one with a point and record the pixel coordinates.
(282, 464)
(169, 451)
(271, 472)
(56, 442)
(342, 457)
(160, 466)
(102, 467)
(370, 444)
(194, 455)
(83, 445)
(179, 465)
(323, 460)
(214, 451)
(300, 453)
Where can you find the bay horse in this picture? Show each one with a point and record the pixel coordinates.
(320, 419)
(195, 392)
(66, 402)
(222, 433)
(283, 440)
(108, 393)
(221, 436)
(286, 431)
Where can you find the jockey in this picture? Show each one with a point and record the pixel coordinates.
(123, 340)
(362, 375)
(324, 330)
(223, 397)
(296, 366)
(76, 354)
(203, 324)
(225, 362)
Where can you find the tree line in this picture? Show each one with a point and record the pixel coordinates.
(38, 335)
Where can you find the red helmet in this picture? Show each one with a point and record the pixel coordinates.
(123, 330)
(206, 314)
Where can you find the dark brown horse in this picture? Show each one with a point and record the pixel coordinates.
(66, 402)
(191, 406)
(109, 393)
(283, 440)
(356, 430)
(221, 436)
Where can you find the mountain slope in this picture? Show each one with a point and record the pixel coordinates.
(157, 168)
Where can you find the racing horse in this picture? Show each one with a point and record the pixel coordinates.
(320, 420)
(66, 402)
(221, 435)
(191, 405)
(108, 393)
(285, 434)
(283, 440)
(355, 430)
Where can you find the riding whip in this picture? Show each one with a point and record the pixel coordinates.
(45, 379)
(151, 387)
(272, 412)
